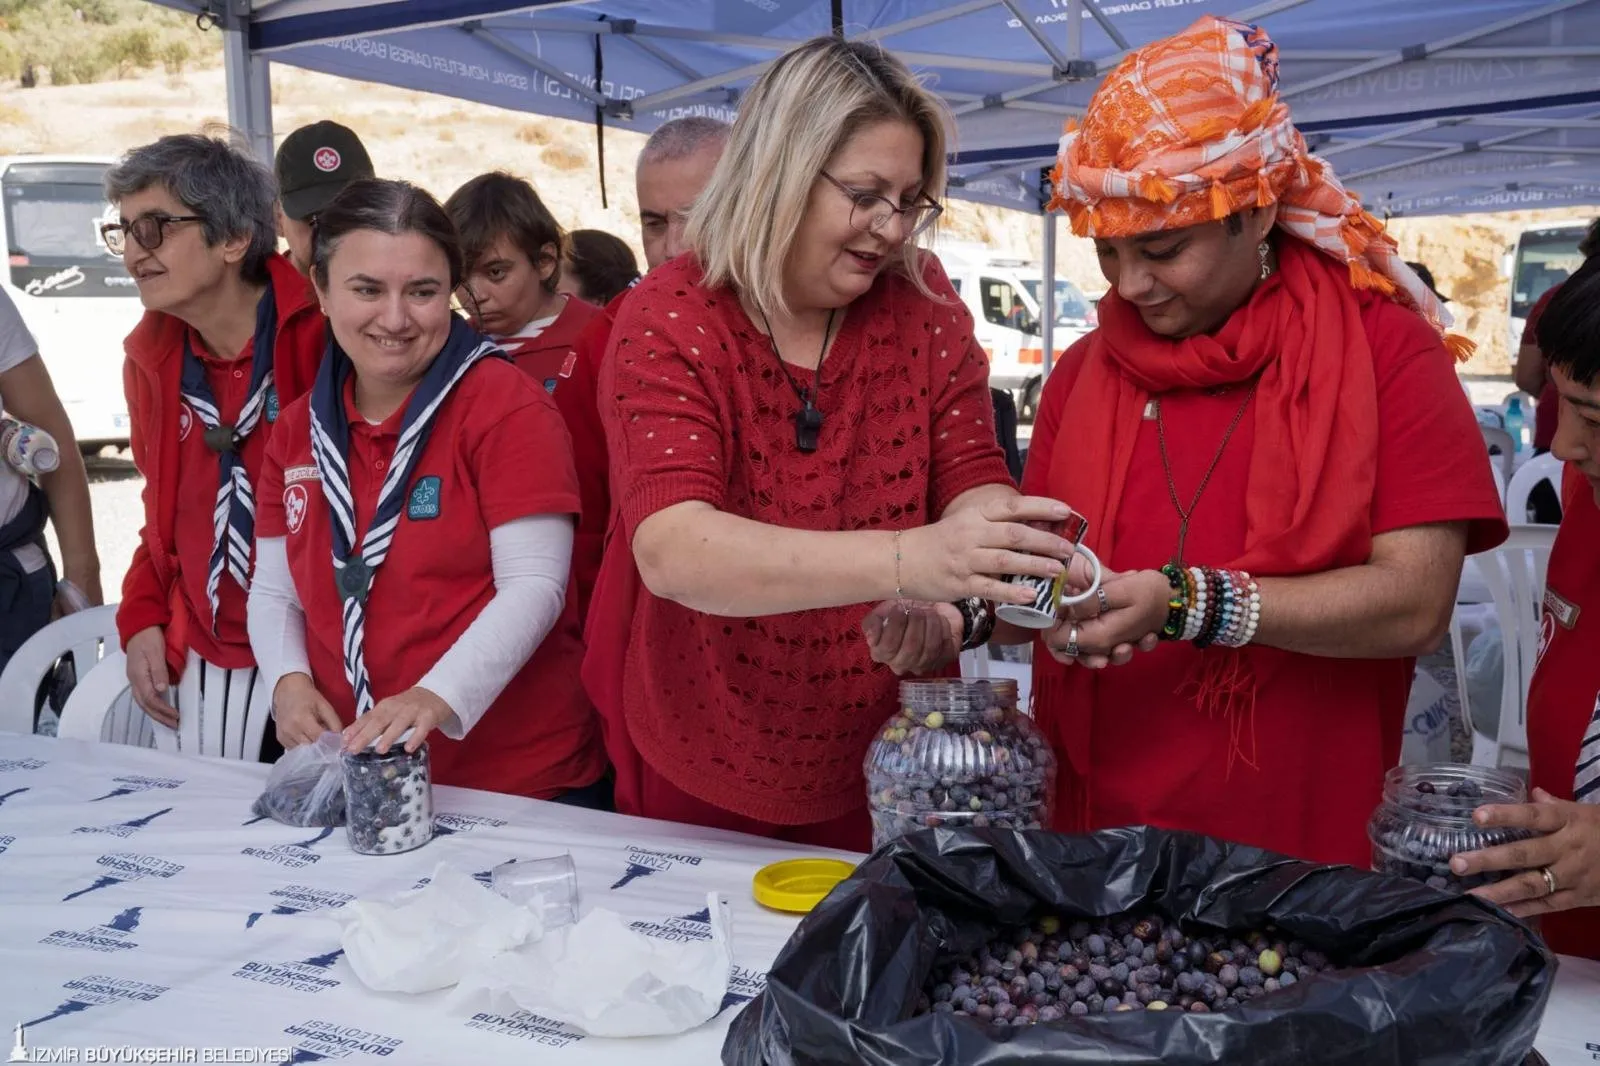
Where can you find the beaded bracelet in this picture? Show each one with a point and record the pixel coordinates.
(1209, 606)
(1177, 604)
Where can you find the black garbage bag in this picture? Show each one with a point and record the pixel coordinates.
(1427, 979)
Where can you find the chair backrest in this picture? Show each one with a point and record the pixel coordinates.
(101, 708)
(1540, 468)
(85, 634)
(221, 712)
(1516, 573)
(1502, 451)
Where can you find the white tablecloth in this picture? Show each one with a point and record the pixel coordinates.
(140, 906)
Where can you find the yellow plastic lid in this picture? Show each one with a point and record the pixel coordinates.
(797, 885)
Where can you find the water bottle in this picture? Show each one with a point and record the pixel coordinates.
(1514, 422)
(28, 449)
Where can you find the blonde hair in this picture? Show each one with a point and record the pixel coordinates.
(792, 121)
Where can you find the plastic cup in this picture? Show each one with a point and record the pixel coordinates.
(549, 887)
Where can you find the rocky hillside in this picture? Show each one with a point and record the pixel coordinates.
(440, 143)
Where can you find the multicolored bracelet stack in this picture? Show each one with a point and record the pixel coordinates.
(1210, 606)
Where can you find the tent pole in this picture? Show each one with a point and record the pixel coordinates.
(837, 10)
(249, 83)
(1047, 301)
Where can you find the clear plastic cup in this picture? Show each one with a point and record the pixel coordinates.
(549, 887)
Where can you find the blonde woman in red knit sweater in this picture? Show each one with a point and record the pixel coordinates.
(800, 425)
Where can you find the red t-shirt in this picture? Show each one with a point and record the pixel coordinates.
(1566, 683)
(568, 372)
(198, 473)
(770, 717)
(497, 452)
(1325, 730)
(1547, 408)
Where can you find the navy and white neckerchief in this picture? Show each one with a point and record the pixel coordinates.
(353, 570)
(234, 517)
(1586, 787)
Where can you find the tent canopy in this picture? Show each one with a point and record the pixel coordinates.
(1392, 92)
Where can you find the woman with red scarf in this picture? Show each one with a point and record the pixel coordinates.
(1280, 471)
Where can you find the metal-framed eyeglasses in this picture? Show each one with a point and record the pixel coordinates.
(870, 212)
(148, 231)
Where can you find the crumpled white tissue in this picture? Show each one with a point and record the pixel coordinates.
(431, 937)
(605, 979)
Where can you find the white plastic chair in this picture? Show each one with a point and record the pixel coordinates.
(86, 634)
(222, 713)
(1498, 440)
(1544, 467)
(1515, 574)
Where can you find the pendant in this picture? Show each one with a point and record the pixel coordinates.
(354, 580)
(807, 426)
(220, 439)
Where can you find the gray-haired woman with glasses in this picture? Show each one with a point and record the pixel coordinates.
(231, 334)
(800, 427)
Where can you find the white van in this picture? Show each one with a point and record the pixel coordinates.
(1542, 258)
(75, 297)
(1003, 296)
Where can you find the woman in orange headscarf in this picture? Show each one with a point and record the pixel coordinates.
(1275, 457)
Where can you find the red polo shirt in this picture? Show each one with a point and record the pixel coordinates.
(498, 451)
(568, 371)
(1567, 681)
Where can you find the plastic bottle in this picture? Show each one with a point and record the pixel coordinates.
(1514, 424)
(27, 448)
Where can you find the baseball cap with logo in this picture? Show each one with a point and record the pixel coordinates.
(314, 163)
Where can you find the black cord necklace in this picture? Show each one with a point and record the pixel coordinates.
(807, 420)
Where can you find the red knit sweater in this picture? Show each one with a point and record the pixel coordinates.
(771, 717)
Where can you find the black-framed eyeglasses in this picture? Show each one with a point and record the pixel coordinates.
(870, 212)
(148, 231)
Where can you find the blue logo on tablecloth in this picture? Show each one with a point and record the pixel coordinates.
(7, 795)
(689, 927)
(115, 935)
(527, 1026)
(291, 855)
(642, 862)
(298, 899)
(318, 1040)
(743, 986)
(446, 824)
(6, 842)
(127, 867)
(127, 786)
(124, 829)
(8, 765)
(304, 975)
(97, 990)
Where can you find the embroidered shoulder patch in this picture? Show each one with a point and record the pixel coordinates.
(424, 501)
(271, 403)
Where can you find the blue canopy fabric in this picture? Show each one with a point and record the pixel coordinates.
(1395, 93)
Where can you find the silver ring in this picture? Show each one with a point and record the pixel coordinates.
(1105, 601)
(1549, 880)
(1071, 650)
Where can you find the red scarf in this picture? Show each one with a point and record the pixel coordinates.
(1312, 467)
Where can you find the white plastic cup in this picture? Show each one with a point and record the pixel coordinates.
(547, 886)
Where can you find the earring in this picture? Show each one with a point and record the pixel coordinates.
(1264, 253)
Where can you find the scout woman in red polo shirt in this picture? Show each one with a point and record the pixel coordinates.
(230, 336)
(800, 424)
(1268, 438)
(513, 248)
(1561, 881)
(416, 525)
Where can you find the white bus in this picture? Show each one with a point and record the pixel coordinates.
(75, 297)
(1542, 258)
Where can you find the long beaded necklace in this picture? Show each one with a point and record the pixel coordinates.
(1185, 514)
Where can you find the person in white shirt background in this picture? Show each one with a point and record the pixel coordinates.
(27, 573)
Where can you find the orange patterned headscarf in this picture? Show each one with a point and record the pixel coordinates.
(1190, 129)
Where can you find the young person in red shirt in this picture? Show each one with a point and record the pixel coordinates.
(231, 335)
(416, 525)
(1561, 878)
(514, 249)
(1264, 411)
(799, 424)
(599, 267)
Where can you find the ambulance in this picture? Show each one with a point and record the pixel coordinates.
(1003, 295)
(75, 297)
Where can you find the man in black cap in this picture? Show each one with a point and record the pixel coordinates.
(313, 164)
